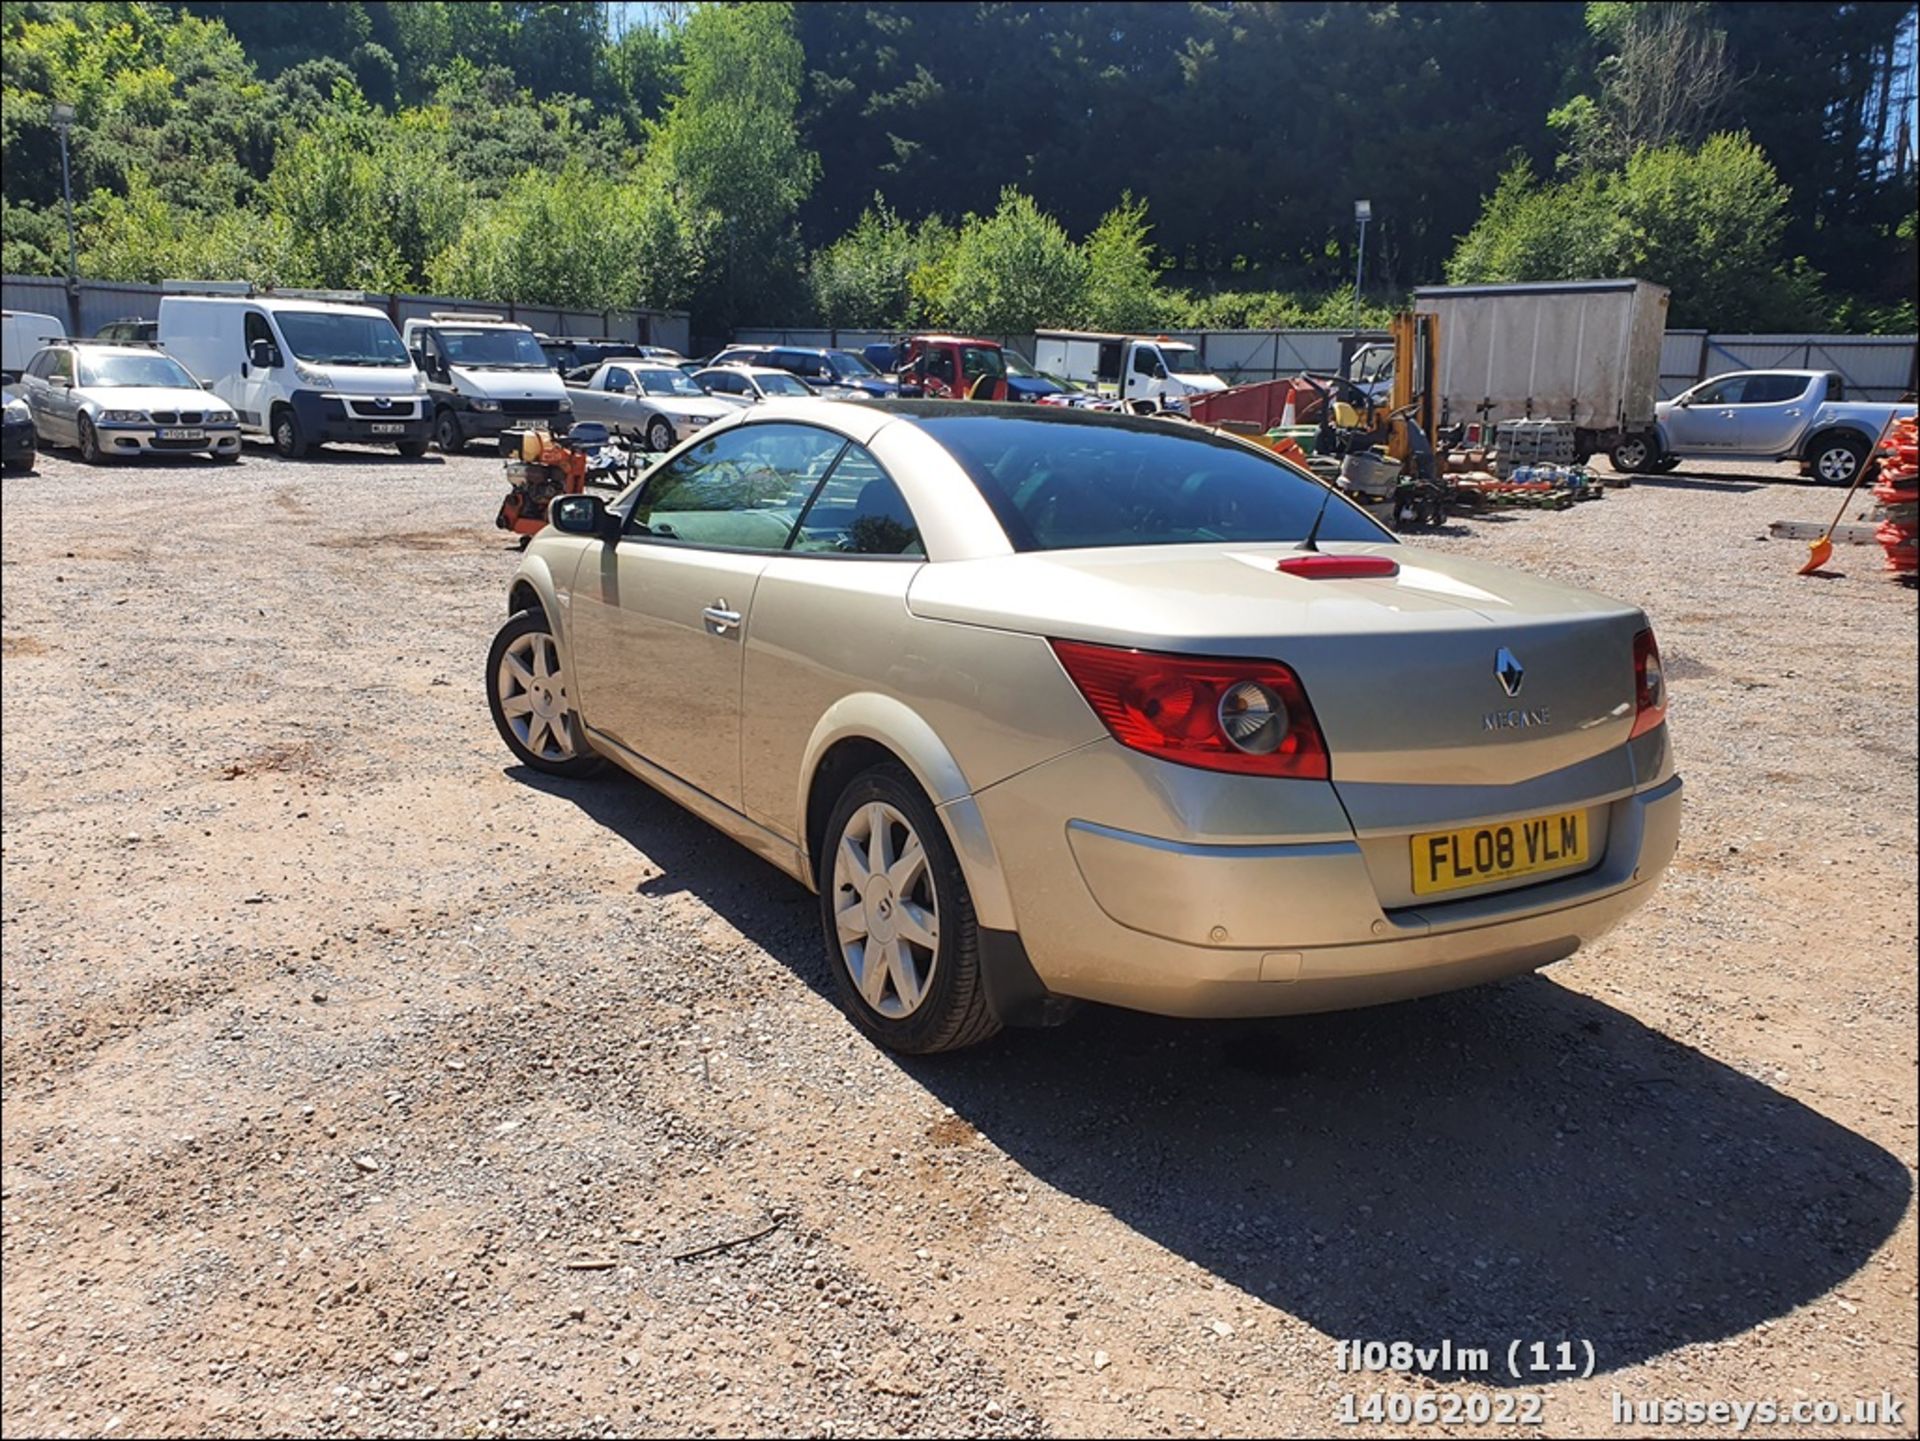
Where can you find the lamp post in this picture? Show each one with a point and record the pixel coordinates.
(63, 121)
(1362, 213)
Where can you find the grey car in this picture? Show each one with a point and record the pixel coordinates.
(113, 402)
(1052, 706)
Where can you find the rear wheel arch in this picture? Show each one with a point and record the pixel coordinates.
(1831, 433)
(864, 730)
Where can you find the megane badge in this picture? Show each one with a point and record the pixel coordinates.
(1507, 666)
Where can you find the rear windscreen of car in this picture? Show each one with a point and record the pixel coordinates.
(1073, 481)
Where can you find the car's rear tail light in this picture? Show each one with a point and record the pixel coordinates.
(1219, 713)
(1649, 684)
(1317, 565)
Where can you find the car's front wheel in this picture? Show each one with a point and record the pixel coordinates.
(659, 434)
(289, 439)
(533, 699)
(902, 940)
(448, 434)
(89, 442)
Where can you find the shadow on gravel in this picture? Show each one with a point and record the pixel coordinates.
(343, 455)
(1517, 1162)
(1732, 485)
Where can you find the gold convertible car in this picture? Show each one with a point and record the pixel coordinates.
(1049, 705)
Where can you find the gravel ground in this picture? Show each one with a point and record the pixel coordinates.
(358, 1082)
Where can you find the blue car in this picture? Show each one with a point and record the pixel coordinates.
(1026, 383)
(821, 367)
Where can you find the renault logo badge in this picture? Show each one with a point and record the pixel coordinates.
(1507, 666)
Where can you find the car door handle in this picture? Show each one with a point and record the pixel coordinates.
(719, 619)
(1795, 411)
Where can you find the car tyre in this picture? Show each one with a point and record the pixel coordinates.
(887, 870)
(90, 450)
(659, 433)
(289, 439)
(412, 449)
(532, 702)
(448, 434)
(1836, 459)
(1635, 455)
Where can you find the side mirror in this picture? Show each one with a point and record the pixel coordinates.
(419, 357)
(1159, 372)
(583, 514)
(263, 354)
(1684, 401)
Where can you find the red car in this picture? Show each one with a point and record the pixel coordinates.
(954, 367)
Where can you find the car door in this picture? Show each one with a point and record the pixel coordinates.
(258, 383)
(1710, 418)
(1773, 411)
(55, 405)
(659, 618)
(829, 617)
(1143, 373)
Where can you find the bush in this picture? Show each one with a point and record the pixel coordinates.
(1706, 223)
(1123, 277)
(1014, 271)
(865, 278)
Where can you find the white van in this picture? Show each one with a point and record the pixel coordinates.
(1142, 368)
(22, 332)
(301, 367)
(484, 373)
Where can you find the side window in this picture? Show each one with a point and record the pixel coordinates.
(1146, 360)
(1725, 392)
(937, 364)
(1775, 389)
(859, 511)
(618, 379)
(743, 489)
(60, 364)
(258, 329)
(1836, 387)
(37, 367)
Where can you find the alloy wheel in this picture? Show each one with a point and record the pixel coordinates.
(1836, 465)
(534, 699)
(885, 909)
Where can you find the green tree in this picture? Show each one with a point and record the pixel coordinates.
(731, 153)
(366, 200)
(1704, 222)
(865, 278)
(551, 239)
(1123, 276)
(1015, 271)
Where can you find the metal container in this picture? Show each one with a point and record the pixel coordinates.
(1366, 473)
(1583, 351)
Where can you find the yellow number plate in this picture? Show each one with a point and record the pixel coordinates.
(1449, 860)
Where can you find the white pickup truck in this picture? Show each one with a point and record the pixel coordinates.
(1132, 367)
(654, 403)
(1774, 415)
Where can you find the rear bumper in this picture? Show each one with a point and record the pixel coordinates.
(1186, 929)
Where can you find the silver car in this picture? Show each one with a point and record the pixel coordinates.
(1049, 705)
(123, 401)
